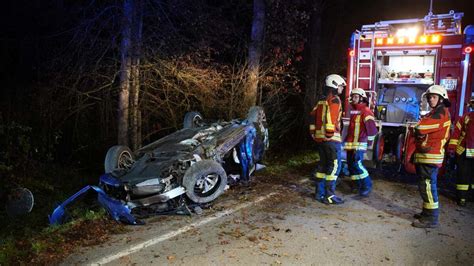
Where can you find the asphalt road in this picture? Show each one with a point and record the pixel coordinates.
(278, 222)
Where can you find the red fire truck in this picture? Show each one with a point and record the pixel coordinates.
(395, 61)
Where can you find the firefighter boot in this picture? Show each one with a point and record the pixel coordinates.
(331, 197)
(426, 222)
(429, 219)
(462, 202)
(332, 200)
(420, 215)
(366, 187)
(355, 186)
(462, 196)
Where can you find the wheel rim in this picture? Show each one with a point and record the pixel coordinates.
(197, 120)
(207, 184)
(125, 160)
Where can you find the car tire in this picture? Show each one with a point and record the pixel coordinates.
(118, 157)
(202, 174)
(192, 119)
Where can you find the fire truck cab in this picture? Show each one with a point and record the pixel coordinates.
(396, 61)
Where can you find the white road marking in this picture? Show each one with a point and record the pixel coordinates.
(184, 229)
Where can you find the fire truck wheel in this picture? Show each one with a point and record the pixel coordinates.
(400, 147)
(378, 148)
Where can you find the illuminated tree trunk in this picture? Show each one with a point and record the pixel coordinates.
(125, 73)
(255, 52)
(135, 128)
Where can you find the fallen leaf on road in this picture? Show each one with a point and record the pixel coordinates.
(253, 239)
(171, 258)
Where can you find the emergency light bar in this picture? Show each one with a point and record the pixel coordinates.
(424, 39)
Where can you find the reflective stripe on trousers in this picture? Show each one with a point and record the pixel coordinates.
(328, 168)
(354, 162)
(427, 187)
(465, 175)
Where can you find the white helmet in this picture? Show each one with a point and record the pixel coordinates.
(437, 89)
(334, 81)
(360, 92)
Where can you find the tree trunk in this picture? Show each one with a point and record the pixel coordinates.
(312, 51)
(125, 72)
(255, 52)
(135, 76)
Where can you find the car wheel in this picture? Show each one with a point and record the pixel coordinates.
(118, 157)
(19, 201)
(192, 120)
(204, 181)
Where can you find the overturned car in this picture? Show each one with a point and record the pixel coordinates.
(191, 166)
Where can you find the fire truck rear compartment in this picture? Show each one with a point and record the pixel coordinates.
(402, 77)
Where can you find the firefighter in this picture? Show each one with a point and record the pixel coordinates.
(462, 145)
(326, 132)
(360, 135)
(431, 134)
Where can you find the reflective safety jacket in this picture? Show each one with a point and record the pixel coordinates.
(432, 133)
(362, 128)
(463, 136)
(327, 119)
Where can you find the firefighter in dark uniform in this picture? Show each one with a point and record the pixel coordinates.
(360, 134)
(462, 145)
(431, 133)
(326, 132)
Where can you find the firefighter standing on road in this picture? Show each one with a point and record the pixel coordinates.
(361, 133)
(431, 133)
(326, 132)
(462, 144)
